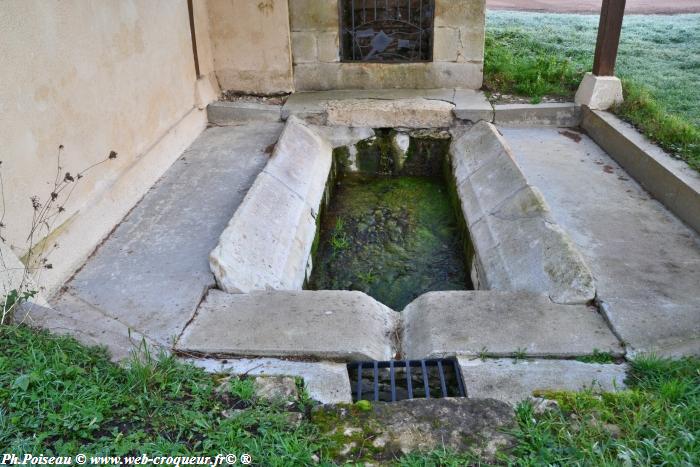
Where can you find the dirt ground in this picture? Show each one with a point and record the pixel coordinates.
(593, 6)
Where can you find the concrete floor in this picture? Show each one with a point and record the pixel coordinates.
(153, 270)
(646, 262)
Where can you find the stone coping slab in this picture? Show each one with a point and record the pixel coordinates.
(267, 243)
(517, 243)
(671, 181)
(325, 382)
(565, 114)
(502, 324)
(379, 113)
(513, 381)
(467, 105)
(233, 113)
(327, 325)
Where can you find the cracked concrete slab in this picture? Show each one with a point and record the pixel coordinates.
(646, 262)
(152, 271)
(329, 324)
(326, 382)
(513, 381)
(502, 324)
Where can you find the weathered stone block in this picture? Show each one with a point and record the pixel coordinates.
(446, 44)
(328, 48)
(325, 76)
(419, 425)
(267, 243)
(518, 244)
(304, 47)
(501, 324)
(340, 325)
(407, 113)
(459, 13)
(314, 15)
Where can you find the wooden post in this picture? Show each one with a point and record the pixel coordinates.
(611, 15)
(190, 10)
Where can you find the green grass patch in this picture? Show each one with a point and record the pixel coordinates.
(656, 421)
(60, 397)
(536, 55)
(673, 133)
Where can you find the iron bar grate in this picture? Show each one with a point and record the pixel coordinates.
(386, 30)
(396, 380)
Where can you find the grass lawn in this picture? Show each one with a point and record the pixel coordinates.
(535, 54)
(59, 397)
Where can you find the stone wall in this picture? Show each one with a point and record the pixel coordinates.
(251, 45)
(95, 77)
(458, 50)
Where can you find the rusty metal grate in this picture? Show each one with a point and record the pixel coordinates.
(397, 380)
(389, 31)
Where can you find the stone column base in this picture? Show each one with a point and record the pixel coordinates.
(599, 92)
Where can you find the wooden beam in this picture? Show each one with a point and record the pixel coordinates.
(190, 10)
(609, 29)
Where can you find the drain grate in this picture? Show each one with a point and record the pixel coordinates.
(397, 380)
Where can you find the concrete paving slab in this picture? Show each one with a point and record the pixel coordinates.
(152, 271)
(89, 326)
(234, 113)
(513, 381)
(502, 324)
(326, 382)
(671, 181)
(330, 324)
(646, 262)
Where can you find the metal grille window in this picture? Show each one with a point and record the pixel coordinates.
(387, 30)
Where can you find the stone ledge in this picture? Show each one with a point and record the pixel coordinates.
(330, 325)
(404, 113)
(502, 324)
(232, 113)
(565, 114)
(267, 243)
(517, 243)
(513, 381)
(669, 180)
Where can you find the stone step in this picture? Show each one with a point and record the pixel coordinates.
(233, 113)
(502, 324)
(331, 325)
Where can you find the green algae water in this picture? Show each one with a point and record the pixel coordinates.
(393, 238)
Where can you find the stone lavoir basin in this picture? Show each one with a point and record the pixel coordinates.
(376, 244)
(389, 227)
(396, 214)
